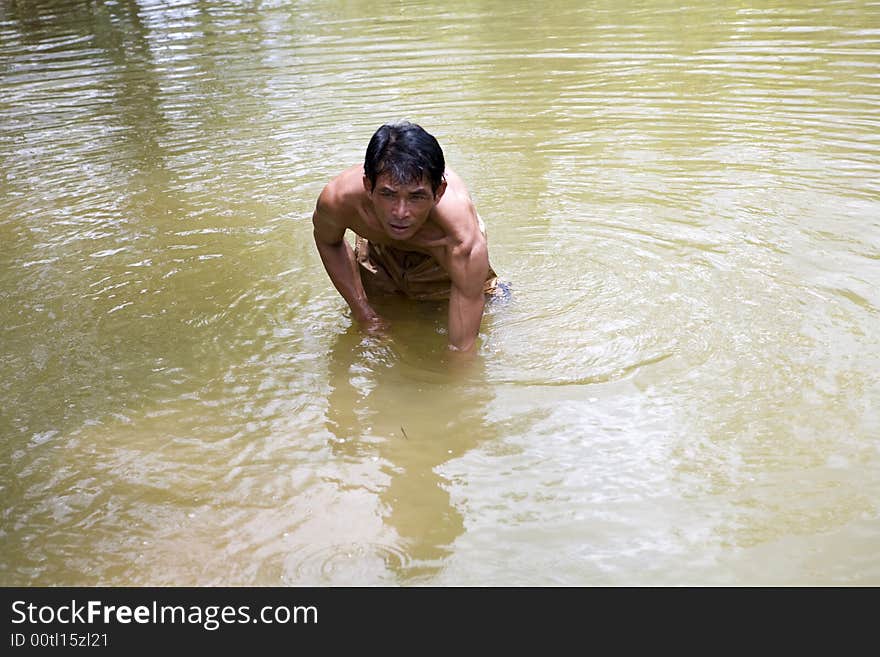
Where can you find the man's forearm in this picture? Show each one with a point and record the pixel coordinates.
(340, 264)
(465, 315)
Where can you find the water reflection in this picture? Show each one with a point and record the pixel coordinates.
(390, 404)
(685, 199)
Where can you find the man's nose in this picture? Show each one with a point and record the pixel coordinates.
(401, 208)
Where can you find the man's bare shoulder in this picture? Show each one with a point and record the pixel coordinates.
(456, 212)
(338, 206)
(343, 192)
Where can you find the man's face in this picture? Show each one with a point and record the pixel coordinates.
(402, 209)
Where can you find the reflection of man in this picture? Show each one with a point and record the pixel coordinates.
(417, 233)
(393, 437)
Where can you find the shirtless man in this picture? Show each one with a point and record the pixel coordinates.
(417, 233)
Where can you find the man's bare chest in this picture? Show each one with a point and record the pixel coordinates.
(424, 242)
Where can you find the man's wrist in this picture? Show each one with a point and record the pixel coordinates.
(365, 315)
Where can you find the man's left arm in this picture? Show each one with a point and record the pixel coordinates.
(469, 267)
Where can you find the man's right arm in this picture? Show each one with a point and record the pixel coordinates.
(339, 261)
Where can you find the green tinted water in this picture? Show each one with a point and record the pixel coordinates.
(684, 389)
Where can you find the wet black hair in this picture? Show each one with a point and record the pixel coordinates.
(407, 152)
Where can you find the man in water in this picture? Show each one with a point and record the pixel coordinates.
(417, 233)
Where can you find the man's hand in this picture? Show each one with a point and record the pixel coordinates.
(375, 325)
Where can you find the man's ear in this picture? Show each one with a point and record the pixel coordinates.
(440, 190)
(367, 186)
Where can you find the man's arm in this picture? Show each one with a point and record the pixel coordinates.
(469, 266)
(339, 261)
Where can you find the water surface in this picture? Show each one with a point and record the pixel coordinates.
(684, 389)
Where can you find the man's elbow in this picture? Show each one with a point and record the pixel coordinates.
(325, 234)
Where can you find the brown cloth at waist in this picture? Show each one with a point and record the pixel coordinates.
(387, 270)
